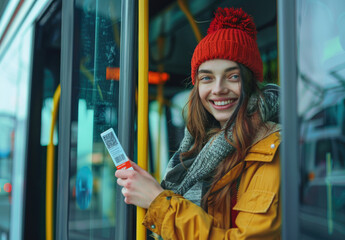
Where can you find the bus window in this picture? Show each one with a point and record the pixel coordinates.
(321, 94)
(15, 68)
(95, 94)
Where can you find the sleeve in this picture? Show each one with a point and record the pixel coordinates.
(173, 217)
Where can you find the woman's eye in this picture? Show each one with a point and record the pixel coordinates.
(205, 78)
(234, 77)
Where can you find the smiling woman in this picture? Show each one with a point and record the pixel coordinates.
(228, 160)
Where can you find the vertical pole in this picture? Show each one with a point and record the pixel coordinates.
(125, 215)
(290, 157)
(67, 44)
(143, 22)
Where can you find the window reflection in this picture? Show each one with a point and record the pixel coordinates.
(321, 107)
(6, 155)
(94, 110)
(15, 72)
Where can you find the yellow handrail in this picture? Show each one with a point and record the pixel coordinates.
(183, 5)
(50, 168)
(143, 86)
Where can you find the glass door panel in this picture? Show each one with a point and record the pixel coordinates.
(92, 184)
(321, 108)
(14, 103)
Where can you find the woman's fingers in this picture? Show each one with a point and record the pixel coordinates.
(124, 173)
(139, 187)
(121, 182)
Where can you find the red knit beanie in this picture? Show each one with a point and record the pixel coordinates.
(231, 36)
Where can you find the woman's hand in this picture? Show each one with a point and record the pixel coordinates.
(139, 187)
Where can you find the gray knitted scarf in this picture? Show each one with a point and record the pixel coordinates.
(192, 178)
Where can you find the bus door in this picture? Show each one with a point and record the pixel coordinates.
(312, 67)
(175, 29)
(89, 204)
(96, 38)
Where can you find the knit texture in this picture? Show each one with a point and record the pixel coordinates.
(231, 36)
(192, 179)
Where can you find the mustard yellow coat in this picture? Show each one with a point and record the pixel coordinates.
(174, 217)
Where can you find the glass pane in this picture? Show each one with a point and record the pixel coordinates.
(321, 109)
(94, 110)
(7, 123)
(14, 98)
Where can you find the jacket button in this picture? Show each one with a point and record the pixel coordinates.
(168, 198)
(153, 226)
(273, 146)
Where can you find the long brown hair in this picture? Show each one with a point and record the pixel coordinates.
(202, 126)
(200, 123)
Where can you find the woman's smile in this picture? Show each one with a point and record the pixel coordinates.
(222, 104)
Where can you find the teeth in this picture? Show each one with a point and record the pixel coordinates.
(222, 103)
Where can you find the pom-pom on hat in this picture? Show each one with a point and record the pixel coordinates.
(231, 36)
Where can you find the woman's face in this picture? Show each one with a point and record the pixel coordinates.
(219, 87)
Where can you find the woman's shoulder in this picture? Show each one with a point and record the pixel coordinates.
(267, 132)
(266, 143)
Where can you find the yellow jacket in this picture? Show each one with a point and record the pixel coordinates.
(174, 217)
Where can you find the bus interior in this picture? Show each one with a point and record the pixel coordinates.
(175, 28)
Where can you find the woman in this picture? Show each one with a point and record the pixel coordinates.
(224, 181)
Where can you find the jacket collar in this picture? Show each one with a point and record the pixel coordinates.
(265, 149)
(262, 151)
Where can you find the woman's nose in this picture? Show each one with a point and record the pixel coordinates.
(219, 87)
